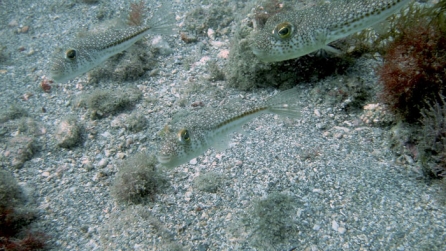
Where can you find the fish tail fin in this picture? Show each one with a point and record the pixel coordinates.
(285, 104)
(163, 20)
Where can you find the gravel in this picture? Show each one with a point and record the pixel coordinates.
(348, 190)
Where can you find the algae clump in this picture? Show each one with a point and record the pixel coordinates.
(102, 103)
(137, 179)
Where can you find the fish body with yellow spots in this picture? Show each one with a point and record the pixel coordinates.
(191, 136)
(291, 34)
(88, 52)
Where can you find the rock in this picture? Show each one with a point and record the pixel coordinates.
(22, 148)
(68, 133)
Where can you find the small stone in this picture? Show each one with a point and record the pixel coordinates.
(334, 225)
(317, 190)
(341, 128)
(105, 134)
(107, 153)
(341, 230)
(338, 135)
(228, 217)
(87, 165)
(211, 34)
(99, 175)
(197, 104)
(24, 29)
(13, 23)
(223, 54)
(193, 161)
(217, 44)
(219, 156)
(154, 72)
(371, 106)
(102, 163)
(128, 142)
(188, 38)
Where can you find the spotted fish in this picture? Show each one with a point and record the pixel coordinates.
(88, 52)
(291, 34)
(192, 135)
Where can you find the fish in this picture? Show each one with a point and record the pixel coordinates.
(190, 136)
(292, 34)
(85, 53)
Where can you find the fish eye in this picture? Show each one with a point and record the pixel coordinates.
(283, 30)
(183, 135)
(71, 54)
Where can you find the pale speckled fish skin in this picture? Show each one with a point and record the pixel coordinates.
(90, 51)
(314, 28)
(193, 135)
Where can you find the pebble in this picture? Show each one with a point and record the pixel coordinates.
(223, 54)
(345, 129)
(13, 23)
(107, 153)
(24, 29)
(106, 134)
(188, 38)
(211, 33)
(102, 163)
(128, 142)
(154, 72)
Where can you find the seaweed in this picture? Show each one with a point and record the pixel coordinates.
(15, 217)
(433, 141)
(137, 13)
(413, 74)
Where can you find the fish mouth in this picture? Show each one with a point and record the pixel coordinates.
(164, 159)
(168, 161)
(264, 56)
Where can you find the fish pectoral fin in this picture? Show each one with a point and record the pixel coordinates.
(332, 50)
(285, 104)
(221, 144)
(163, 20)
(240, 130)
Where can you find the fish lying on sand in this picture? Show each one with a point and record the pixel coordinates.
(194, 134)
(88, 52)
(291, 34)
